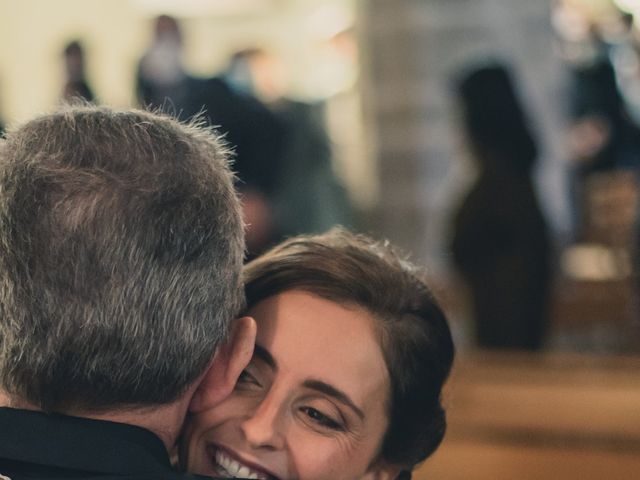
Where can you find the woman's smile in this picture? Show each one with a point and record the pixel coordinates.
(229, 465)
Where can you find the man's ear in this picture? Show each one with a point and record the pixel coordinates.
(227, 365)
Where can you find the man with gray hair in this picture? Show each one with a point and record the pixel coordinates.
(121, 244)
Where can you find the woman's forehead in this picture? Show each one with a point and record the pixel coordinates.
(311, 337)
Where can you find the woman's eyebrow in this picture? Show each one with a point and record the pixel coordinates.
(264, 355)
(332, 391)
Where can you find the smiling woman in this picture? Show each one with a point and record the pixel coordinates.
(351, 355)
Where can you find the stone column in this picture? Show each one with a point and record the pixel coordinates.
(411, 50)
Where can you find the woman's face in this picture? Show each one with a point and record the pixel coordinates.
(310, 405)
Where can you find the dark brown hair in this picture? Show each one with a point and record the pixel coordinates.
(414, 333)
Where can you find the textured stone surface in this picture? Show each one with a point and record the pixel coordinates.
(412, 48)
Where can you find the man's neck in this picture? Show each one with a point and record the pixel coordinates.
(7, 400)
(165, 421)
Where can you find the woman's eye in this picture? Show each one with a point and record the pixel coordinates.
(321, 419)
(247, 379)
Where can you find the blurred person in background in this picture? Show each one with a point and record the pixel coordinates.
(76, 85)
(500, 241)
(308, 197)
(161, 80)
(257, 137)
(604, 91)
(253, 133)
(2, 126)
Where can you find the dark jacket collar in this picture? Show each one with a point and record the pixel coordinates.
(81, 444)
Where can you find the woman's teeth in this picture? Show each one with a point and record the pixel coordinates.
(235, 469)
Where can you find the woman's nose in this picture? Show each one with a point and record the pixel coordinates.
(264, 428)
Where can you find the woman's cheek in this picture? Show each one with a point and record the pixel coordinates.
(208, 421)
(319, 456)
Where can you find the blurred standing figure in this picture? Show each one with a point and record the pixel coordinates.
(256, 137)
(308, 198)
(76, 85)
(2, 127)
(500, 242)
(604, 101)
(161, 78)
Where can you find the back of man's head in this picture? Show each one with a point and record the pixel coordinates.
(121, 245)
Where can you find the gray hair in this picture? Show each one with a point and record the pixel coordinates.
(121, 244)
